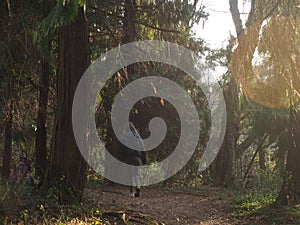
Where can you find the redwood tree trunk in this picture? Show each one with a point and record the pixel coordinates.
(67, 170)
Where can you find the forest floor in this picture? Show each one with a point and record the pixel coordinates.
(167, 206)
(157, 205)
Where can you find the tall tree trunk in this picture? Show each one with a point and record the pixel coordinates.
(8, 130)
(129, 35)
(290, 189)
(41, 133)
(67, 170)
(226, 156)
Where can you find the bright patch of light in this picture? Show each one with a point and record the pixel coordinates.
(219, 26)
(217, 29)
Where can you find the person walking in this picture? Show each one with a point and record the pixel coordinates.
(135, 158)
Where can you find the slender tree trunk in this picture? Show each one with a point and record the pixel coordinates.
(67, 170)
(129, 24)
(129, 28)
(8, 130)
(236, 17)
(41, 133)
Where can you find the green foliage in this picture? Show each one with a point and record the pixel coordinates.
(62, 14)
(253, 201)
(260, 193)
(94, 180)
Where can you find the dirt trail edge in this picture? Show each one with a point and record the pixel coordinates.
(170, 207)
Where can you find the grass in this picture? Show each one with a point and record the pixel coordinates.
(256, 205)
(254, 200)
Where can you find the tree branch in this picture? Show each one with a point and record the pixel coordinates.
(236, 17)
(136, 21)
(272, 10)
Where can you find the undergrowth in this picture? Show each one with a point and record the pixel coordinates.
(24, 205)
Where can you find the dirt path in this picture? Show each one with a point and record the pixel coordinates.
(168, 206)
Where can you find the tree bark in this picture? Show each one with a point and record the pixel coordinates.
(67, 171)
(129, 24)
(226, 155)
(290, 189)
(129, 27)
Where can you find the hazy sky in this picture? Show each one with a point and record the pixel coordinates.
(216, 30)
